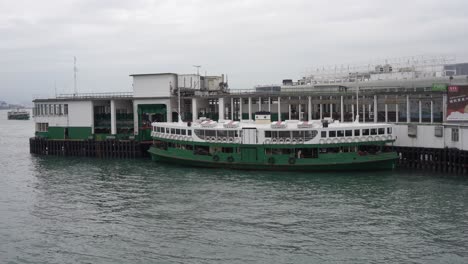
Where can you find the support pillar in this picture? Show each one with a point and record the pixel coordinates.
(289, 111)
(309, 109)
(408, 112)
(279, 108)
(341, 109)
(220, 109)
(432, 111)
(375, 109)
(269, 104)
(113, 118)
(386, 113)
(321, 108)
(397, 113)
(444, 108)
(300, 110)
(250, 108)
(363, 113)
(241, 102)
(352, 112)
(331, 110)
(232, 108)
(194, 109)
(259, 104)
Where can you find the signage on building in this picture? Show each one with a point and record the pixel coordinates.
(439, 87)
(457, 103)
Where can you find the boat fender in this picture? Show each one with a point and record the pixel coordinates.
(215, 158)
(230, 159)
(271, 160)
(292, 160)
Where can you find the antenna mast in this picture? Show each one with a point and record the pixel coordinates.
(74, 71)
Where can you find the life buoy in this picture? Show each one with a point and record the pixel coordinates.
(215, 158)
(294, 141)
(267, 141)
(281, 141)
(231, 140)
(292, 160)
(230, 159)
(300, 141)
(224, 139)
(271, 160)
(322, 141)
(287, 141)
(213, 139)
(274, 141)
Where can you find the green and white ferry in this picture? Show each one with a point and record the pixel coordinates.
(317, 145)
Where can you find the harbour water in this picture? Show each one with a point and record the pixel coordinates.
(80, 210)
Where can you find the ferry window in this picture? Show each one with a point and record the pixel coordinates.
(286, 151)
(268, 134)
(189, 132)
(177, 132)
(332, 133)
(357, 132)
(222, 133)
(200, 133)
(284, 134)
(323, 134)
(60, 109)
(210, 133)
(298, 134)
(311, 134)
(184, 132)
(348, 133)
(231, 134)
(227, 150)
(365, 132)
(381, 131)
(340, 133)
(202, 150)
(274, 134)
(173, 131)
(373, 131)
(455, 134)
(389, 130)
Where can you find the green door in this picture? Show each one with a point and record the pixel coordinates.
(249, 154)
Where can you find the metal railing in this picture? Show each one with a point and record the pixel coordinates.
(95, 95)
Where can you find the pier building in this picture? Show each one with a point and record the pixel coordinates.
(428, 103)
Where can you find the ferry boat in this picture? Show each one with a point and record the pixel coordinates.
(18, 115)
(318, 145)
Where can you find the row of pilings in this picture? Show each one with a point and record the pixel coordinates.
(106, 149)
(447, 160)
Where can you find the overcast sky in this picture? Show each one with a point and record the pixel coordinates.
(253, 41)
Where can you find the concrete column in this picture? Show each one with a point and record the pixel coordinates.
(309, 109)
(232, 108)
(279, 108)
(241, 102)
(250, 108)
(259, 104)
(375, 109)
(269, 104)
(397, 113)
(408, 112)
(194, 109)
(352, 112)
(289, 111)
(369, 111)
(220, 109)
(341, 109)
(113, 118)
(331, 110)
(363, 113)
(444, 108)
(432, 111)
(420, 111)
(321, 108)
(300, 110)
(386, 113)
(169, 111)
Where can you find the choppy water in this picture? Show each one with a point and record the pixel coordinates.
(77, 210)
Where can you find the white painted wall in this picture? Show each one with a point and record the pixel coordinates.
(154, 85)
(426, 137)
(80, 114)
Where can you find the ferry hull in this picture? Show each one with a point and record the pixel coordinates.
(385, 162)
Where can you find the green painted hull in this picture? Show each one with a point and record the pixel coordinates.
(334, 162)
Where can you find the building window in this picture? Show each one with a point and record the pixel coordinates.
(389, 130)
(323, 134)
(65, 109)
(348, 133)
(340, 133)
(365, 132)
(332, 133)
(381, 131)
(357, 132)
(373, 131)
(455, 134)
